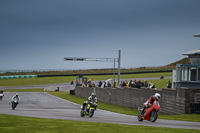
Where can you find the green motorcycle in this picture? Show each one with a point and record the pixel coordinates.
(14, 104)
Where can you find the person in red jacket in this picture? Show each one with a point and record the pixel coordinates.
(150, 101)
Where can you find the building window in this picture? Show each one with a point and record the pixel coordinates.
(192, 74)
(185, 73)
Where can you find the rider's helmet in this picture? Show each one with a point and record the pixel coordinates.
(17, 94)
(93, 95)
(157, 96)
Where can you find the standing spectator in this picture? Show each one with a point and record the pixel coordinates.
(137, 84)
(108, 84)
(103, 84)
(169, 84)
(130, 83)
(93, 85)
(151, 85)
(133, 84)
(89, 84)
(120, 84)
(145, 83)
(99, 84)
(123, 84)
(142, 84)
(127, 83)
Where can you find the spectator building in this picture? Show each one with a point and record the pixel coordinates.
(188, 75)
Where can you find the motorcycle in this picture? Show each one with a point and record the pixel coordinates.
(151, 113)
(14, 104)
(91, 106)
(1, 96)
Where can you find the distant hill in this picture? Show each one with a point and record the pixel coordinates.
(185, 60)
(98, 71)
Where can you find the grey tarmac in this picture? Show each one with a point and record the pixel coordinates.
(43, 105)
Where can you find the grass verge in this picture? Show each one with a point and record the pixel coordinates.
(20, 124)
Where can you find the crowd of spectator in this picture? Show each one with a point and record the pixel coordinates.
(100, 84)
(104, 84)
(89, 84)
(126, 83)
(136, 84)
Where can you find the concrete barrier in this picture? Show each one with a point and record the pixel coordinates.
(173, 101)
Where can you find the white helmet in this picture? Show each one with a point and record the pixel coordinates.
(157, 96)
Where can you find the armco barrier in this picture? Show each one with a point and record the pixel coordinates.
(173, 101)
(18, 76)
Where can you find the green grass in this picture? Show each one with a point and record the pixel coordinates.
(25, 90)
(21, 124)
(125, 110)
(160, 83)
(35, 81)
(67, 79)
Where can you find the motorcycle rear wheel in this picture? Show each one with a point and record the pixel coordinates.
(153, 116)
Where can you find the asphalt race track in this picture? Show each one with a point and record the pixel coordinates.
(43, 105)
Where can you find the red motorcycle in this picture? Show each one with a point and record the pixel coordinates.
(151, 113)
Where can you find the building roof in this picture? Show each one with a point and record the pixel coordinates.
(193, 52)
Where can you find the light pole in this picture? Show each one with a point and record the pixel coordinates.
(119, 60)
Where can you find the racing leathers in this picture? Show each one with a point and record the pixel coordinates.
(148, 103)
(91, 101)
(15, 97)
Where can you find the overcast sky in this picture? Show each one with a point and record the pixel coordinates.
(38, 34)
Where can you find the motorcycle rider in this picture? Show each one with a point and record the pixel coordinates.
(16, 97)
(150, 101)
(1, 92)
(91, 99)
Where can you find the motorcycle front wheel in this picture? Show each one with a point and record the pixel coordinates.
(82, 113)
(13, 107)
(91, 113)
(140, 117)
(153, 116)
